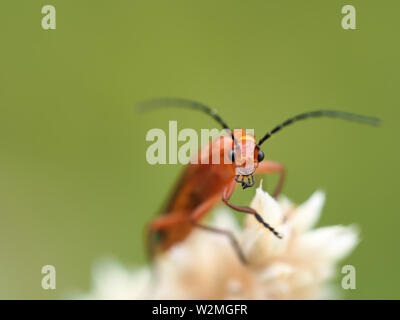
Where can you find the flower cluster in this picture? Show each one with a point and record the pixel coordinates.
(205, 266)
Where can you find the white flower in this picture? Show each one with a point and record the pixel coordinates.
(205, 266)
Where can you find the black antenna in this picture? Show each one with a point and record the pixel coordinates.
(185, 103)
(323, 113)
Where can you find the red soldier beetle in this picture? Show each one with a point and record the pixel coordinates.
(201, 186)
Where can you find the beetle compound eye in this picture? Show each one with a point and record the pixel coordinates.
(260, 156)
(231, 155)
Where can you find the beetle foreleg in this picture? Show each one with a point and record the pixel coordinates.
(273, 167)
(227, 194)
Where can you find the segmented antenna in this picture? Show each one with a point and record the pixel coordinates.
(323, 113)
(184, 103)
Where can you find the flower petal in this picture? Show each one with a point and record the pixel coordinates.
(307, 214)
(111, 280)
(328, 243)
(267, 207)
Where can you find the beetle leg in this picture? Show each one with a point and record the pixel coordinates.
(226, 233)
(158, 225)
(200, 211)
(266, 167)
(166, 220)
(227, 194)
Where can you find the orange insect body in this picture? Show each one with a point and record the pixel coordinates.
(207, 181)
(200, 182)
(202, 185)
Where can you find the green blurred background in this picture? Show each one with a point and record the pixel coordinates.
(74, 182)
